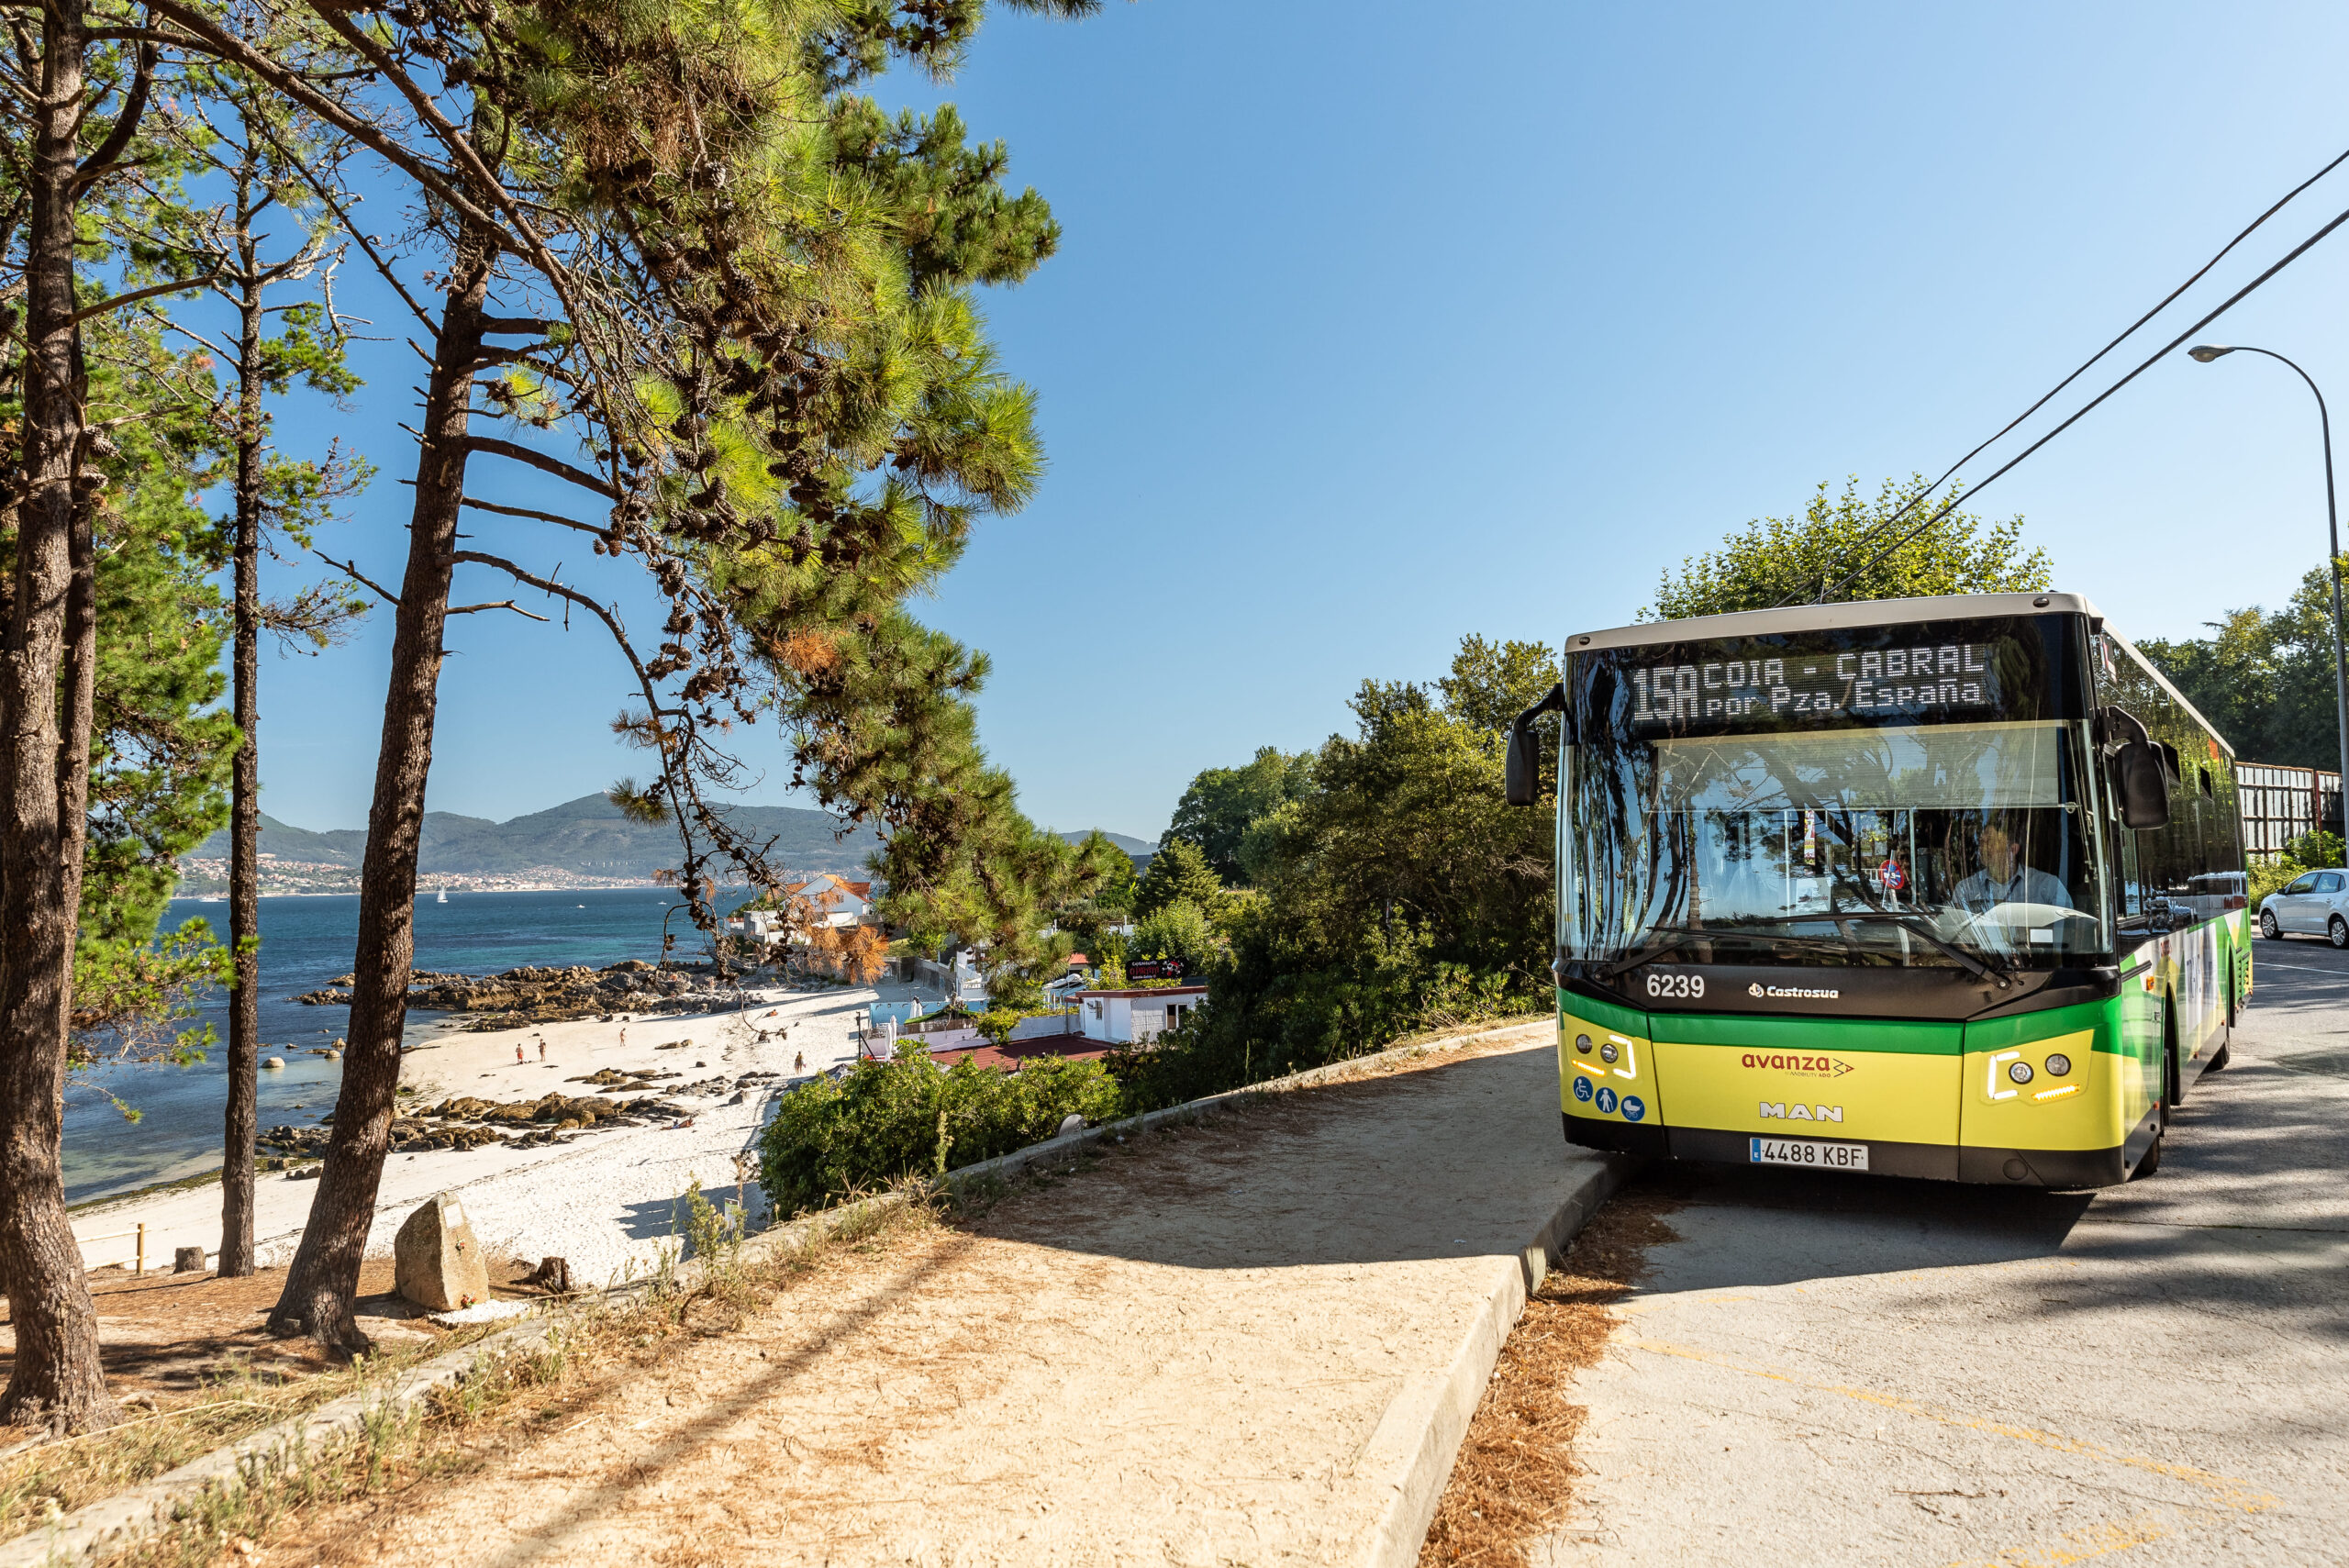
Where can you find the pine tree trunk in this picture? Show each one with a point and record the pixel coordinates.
(242, 1119)
(47, 651)
(325, 1276)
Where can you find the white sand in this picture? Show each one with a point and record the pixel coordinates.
(607, 1202)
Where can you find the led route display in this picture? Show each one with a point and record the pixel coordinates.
(1926, 679)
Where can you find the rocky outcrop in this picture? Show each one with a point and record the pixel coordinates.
(539, 994)
(468, 1121)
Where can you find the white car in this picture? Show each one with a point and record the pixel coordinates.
(2316, 905)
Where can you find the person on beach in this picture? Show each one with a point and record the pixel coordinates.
(519, 1057)
(542, 1050)
(623, 1034)
(799, 1062)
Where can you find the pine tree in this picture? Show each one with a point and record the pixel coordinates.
(275, 166)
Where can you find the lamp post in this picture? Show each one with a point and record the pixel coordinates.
(2204, 353)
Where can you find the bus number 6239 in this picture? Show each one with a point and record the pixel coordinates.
(1675, 985)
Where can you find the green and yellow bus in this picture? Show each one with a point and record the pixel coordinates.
(1945, 887)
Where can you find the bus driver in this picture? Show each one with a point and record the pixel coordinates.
(2004, 879)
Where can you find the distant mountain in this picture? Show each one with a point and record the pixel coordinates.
(1139, 848)
(587, 837)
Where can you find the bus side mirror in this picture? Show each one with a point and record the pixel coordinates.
(1521, 780)
(1518, 783)
(2143, 782)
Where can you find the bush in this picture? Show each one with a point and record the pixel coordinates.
(888, 1120)
(2315, 850)
(1178, 930)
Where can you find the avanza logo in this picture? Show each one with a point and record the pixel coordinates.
(1801, 1112)
(1788, 1062)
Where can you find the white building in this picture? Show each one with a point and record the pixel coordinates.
(837, 902)
(1135, 1018)
(840, 901)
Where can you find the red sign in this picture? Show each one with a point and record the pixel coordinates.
(1893, 878)
(1154, 969)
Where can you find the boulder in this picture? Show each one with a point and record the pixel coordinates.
(436, 1262)
(188, 1260)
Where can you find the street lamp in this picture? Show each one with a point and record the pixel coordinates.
(2204, 353)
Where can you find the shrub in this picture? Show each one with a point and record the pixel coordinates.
(888, 1120)
(2315, 850)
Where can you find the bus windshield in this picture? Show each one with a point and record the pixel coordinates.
(1906, 796)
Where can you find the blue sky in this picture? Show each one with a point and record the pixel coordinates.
(1376, 324)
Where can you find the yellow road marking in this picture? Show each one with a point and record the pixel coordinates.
(2085, 1545)
(2227, 1490)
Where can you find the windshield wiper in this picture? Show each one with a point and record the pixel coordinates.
(1683, 935)
(1992, 969)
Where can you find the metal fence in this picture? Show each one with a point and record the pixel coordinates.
(2281, 803)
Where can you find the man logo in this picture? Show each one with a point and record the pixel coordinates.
(1754, 989)
(1801, 1112)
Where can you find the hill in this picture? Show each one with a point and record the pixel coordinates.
(587, 837)
(1139, 848)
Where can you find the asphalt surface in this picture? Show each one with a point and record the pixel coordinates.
(1843, 1369)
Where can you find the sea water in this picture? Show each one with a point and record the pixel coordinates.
(304, 942)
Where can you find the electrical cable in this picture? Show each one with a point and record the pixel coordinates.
(2086, 365)
(2229, 304)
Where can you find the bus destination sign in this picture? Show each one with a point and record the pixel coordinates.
(1926, 679)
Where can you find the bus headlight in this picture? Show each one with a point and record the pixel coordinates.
(1582, 1044)
(2058, 1064)
(1608, 1052)
(2020, 1072)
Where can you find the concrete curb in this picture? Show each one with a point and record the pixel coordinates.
(1420, 1435)
(1427, 1423)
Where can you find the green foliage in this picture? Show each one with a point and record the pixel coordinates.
(1114, 893)
(957, 221)
(1775, 560)
(712, 1234)
(1179, 929)
(1216, 809)
(2316, 849)
(1178, 871)
(889, 1120)
(2265, 680)
(159, 747)
(1397, 893)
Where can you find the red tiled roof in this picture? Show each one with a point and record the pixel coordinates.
(1062, 1048)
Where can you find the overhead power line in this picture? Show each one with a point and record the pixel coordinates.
(2086, 365)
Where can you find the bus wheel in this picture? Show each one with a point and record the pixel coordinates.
(2338, 931)
(2218, 1061)
(2151, 1163)
(2268, 927)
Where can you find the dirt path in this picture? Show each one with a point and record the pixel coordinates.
(1200, 1348)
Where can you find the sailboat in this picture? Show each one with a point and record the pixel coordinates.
(444, 899)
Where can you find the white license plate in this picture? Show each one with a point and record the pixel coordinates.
(1820, 1156)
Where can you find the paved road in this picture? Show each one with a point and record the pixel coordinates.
(1838, 1370)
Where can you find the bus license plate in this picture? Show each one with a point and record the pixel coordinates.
(1819, 1156)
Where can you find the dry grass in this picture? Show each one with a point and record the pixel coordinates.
(47, 1479)
(510, 1398)
(1514, 1475)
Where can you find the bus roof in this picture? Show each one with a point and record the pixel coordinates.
(1880, 612)
(1834, 617)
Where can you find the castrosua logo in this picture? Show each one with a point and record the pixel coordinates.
(1825, 993)
(1754, 989)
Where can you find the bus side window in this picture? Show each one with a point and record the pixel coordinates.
(2133, 887)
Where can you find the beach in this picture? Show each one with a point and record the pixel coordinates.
(607, 1202)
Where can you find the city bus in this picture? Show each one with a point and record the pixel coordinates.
(1915, 887)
